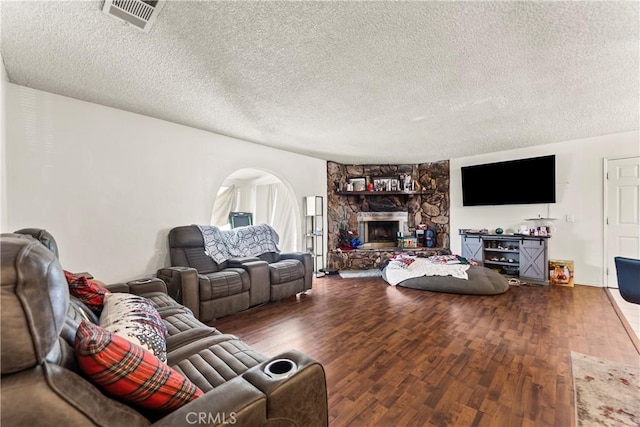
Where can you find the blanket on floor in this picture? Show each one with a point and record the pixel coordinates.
(241, 242)
(408, 267)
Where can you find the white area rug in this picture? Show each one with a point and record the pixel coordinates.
(353, 274)
(606, 393)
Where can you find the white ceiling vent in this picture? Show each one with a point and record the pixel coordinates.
(139, 13)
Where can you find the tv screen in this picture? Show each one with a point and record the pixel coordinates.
(515, 182)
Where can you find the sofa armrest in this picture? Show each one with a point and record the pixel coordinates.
(182, 285)
(138, 287)
(118, 287)
(260, 291)
(236, 402)
(307, 261)
(300, 398)
(144, 286)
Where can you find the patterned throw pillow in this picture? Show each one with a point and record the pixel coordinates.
(129, 372)
(135, 319)
(87, 291)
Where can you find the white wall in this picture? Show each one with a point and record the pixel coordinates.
(579, 192)
(109, 184)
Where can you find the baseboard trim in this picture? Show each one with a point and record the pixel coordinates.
(623, 319)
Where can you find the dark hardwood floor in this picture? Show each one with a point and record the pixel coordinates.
(396, 356)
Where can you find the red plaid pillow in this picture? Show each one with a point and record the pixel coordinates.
(130, 372)
(87, 291)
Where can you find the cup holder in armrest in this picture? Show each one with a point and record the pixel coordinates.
(280, 368)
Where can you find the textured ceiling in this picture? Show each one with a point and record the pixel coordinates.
(353, 82)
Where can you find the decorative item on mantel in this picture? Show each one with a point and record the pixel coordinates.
(406, 183)
(349, 240)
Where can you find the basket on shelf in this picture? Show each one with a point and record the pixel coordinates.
(511, 270)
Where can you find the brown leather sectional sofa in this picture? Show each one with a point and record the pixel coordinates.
(213, 290)
(42, 385)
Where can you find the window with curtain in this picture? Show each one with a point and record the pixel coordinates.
(270, 204)
(275, 207)
(225, 202)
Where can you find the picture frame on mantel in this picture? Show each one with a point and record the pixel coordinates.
(358, 184)
(382, 183)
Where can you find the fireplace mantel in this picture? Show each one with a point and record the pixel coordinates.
(384, 193)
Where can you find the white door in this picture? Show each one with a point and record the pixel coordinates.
(622, 216)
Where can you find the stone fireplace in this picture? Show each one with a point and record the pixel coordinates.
(378, 216)
(380, 229)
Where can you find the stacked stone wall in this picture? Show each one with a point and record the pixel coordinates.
(429, 206)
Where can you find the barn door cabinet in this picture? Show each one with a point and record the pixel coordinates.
(472, 247)
(524, 257)
(534, 261)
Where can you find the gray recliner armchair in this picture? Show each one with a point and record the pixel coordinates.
(213, 290)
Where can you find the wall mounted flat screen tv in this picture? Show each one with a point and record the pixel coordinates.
(514, 182)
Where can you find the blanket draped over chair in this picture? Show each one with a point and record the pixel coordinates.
(240, 242)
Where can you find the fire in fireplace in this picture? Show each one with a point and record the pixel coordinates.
(380, 229)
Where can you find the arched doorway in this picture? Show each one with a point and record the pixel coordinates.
(269, 199)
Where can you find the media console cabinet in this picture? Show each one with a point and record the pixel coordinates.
(521, 256)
